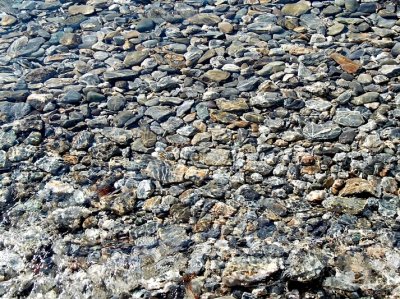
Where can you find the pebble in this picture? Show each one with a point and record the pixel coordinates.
(296, 9)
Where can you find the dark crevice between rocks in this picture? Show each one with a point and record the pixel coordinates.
(313, 286)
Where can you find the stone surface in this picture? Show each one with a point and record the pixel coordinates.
(349, 118)
(326, 131)
(243, 272)
(296, 9)
(199, 149)
(345, 63)
(216, 75)
(357, 186)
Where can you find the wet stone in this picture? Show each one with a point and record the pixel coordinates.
(246, 271)
(120, 75)
(199, 149)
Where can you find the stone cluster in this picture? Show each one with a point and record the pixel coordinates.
(200, 149)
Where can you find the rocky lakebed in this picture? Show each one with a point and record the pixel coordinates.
(199, 149)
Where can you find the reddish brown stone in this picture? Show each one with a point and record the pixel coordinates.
(347, 64)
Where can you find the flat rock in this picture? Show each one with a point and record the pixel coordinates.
(216, 75)
(357, 186)
(120, 75)
(350, 205)
(159, 113)
(209, 19)
(217, 157)
(135, 58)
(81, 9)
(368, 97)
(272, 68)
(296, 9)
(145, 25)
(320, 132)
(8, 20)
(390, 70)
(348, 118)
(245, 271)
(234, 105)
(346, 64)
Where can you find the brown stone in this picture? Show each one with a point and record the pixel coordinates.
(196, 175)
(238, 124)
(225, 27)
(149, 139)
(70, 39)
(175, 60)
(357, 186)
(223, 117)
(307, 160)
(71, 159)
(81, 9)
(8, 20)
(313, 169)
(234, 105)
(337, 186)
(347, 64)
(216, 76)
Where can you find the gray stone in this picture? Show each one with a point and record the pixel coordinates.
(365, 98)
(348, 118)
(319, 105)
(116, 103)
(174, 236)
(267, 100)
(13, 111)
(272, 68)
(320, 132)
(145, 25)
(390, 70)
(7, 139)
(304, 266)
(159, 113)
(69, 218)
(351, 5)
(204, 19)
(71, 97)
(95, 97)
(145, 189)
(53, 165)
(135, 58)
(120, 75)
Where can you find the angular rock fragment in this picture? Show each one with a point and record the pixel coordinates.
(346, 64)
(357, 187)
(245, 271)
(318, 132)
(349, 205)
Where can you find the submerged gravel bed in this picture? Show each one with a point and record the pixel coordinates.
(199, 149)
